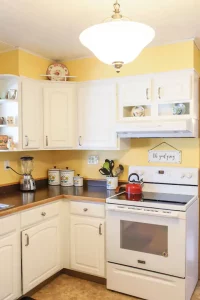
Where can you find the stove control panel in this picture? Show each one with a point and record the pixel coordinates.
(175, 175)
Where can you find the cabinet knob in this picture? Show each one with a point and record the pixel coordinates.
(47, 142)
(85, 209)
(43, 214)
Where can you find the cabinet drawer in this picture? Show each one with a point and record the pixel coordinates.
(8, 224)
(39, 214)
(87, 209)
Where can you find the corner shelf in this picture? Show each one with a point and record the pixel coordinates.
(8, 101)
(8, 125)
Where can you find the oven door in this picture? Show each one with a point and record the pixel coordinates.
(148, 239)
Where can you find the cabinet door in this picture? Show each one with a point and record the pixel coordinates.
(59, 116)
(97, 115)
(32, 130)
(87, 245)
(173, 86)
(10, 267)
(135, 90)
(40, 253)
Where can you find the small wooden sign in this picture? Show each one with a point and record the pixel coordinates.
(165, 156)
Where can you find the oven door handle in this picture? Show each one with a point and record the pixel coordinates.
(168, 214)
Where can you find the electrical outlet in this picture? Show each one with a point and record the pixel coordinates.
(93, 160)
(6, 164)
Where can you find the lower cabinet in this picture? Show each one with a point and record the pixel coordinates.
(10, 267)
(87, 245)
(40, 253)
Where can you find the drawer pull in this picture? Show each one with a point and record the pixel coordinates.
(159, 92)
(141, 261)
(27, 240)
(27, 140)
(85, 209)
(43, 214)
(100, 227)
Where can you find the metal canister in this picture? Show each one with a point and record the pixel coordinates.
(54, 176)
(78, 180)
(66, 177)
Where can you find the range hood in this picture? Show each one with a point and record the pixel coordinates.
(168, 128)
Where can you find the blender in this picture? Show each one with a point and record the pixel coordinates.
(27, 183)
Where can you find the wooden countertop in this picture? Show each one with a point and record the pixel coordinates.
(22, 201)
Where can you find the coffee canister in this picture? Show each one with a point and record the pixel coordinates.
(112, 183)
(78, 180)
(66, 177)
(54, 176)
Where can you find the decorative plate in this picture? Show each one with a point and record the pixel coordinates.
(57, 72)
(137, 111)
(179, 109)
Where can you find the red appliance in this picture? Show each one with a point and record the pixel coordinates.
(133, 187)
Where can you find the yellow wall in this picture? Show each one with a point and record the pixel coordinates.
(20, 62)
(136, 155)
(31, 65)
(9, 62)
(151, 60)
(43, 160)
(196, 59)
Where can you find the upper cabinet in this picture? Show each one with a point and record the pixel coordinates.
(135, 90)
(59, 115)
(32, 126)
(97, 115)
(160, 105)
(173, 86)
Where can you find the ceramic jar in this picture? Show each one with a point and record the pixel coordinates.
(66, 177)
(111, 183)
(78, 180)
(54, 176)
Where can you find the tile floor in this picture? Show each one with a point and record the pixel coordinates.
(69, 288)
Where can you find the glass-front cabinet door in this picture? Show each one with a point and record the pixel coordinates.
(148, 242)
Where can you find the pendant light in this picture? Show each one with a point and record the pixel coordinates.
(117, 41)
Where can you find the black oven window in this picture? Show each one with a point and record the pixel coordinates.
(143, 237)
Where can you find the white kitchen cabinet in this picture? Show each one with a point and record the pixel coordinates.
(9, 267)
(40, 253)
(10, 258)
(32, 127)
(135, 90)
(97, 115)
(59, 115)
(173, 86)
(87, 244)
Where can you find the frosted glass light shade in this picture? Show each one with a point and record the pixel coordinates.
(117, 41)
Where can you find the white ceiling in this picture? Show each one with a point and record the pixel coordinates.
(51, 28)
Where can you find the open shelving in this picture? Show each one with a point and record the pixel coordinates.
(9, 108)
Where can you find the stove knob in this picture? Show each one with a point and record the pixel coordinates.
(189, 175)
(182, 175)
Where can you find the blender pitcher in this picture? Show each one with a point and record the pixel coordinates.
(27, 183)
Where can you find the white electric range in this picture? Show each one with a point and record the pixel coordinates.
(152, 242)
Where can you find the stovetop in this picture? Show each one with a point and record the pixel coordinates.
(149, 197)
(174, 202)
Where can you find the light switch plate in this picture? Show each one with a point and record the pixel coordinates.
(93, 160)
